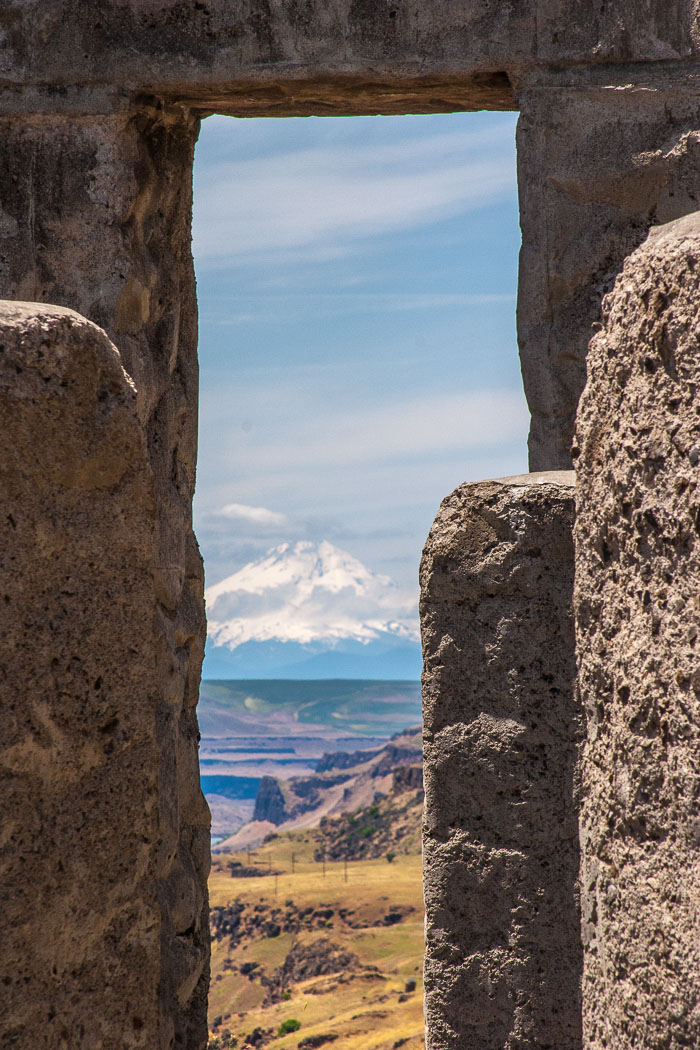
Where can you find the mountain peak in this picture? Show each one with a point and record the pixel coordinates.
(308, 593)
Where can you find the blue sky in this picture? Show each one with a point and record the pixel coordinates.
(356, 284)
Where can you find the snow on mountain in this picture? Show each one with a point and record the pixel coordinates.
(308, 593)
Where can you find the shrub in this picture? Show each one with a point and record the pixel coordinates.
(290, 1025)
(225, 1041)
(390, 856)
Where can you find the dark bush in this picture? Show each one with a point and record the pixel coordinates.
(290, 1025)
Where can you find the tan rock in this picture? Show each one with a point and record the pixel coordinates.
(600, 160)
(101, 203)
(341, 55)
(98, 117)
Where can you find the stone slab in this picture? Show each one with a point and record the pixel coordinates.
(502, 731)
(318, 56)
(638, 623)
(102, 903)
(602, 156)
(96, 216)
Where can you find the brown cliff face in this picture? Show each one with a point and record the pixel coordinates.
(357, 774)
(343, 760)
(303, 961)
(407, 778)
(270, 801)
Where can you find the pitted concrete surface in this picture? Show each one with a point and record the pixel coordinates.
(502, 731)
(103, 886)
(638, 623)
(99, 114)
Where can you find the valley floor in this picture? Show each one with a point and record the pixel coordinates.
(334, 959)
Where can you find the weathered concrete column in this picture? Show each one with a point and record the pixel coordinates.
(502, 736)
(95, 204)
(88, 955)
(602, 156)
(638, 630)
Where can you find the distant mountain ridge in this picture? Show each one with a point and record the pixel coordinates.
(310, 610)
(251, 712)
(283, 729)
(338, 786)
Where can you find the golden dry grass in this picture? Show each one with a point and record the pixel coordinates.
(363, 1009)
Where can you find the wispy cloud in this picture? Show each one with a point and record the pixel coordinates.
(318, 202)
(350, 397)
(258, 516)
(347, 303)
(284, 431)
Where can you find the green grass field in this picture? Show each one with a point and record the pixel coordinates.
(362, 708)
(366, 1008)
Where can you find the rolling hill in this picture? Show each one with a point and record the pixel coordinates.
(341, 784)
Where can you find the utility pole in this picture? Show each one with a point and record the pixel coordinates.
(293, 859)
(324, 863)
(345, 868)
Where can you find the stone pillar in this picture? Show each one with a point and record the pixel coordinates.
(638, 630)
(95, 205)
(502, 735)
(599, 162)
(83, 867)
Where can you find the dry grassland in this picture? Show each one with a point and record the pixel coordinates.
(363, 1008)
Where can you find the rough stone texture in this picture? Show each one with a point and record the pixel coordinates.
(101, 911)
(608, 94)
(502, 732)
(330, 55)
(95, 216)
(99, 113)
(600, 160)
(637, 618)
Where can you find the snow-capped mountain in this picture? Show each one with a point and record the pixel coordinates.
(310, 610)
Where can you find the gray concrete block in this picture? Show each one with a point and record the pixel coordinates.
(637, 623)
(103, 904)
(502, 736)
